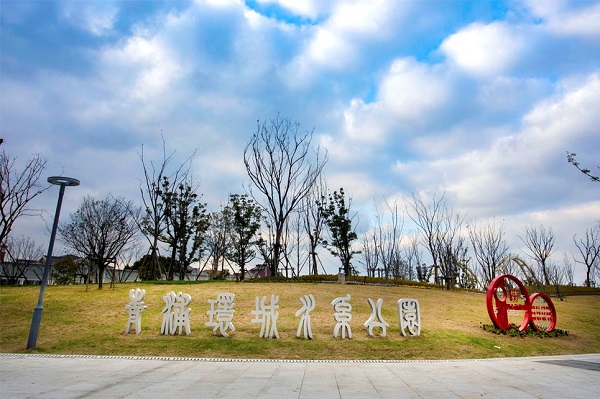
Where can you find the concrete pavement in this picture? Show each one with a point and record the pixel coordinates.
(65, 376)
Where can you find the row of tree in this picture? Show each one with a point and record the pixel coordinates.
(287, 214)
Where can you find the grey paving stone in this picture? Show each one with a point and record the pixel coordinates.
(51, 376)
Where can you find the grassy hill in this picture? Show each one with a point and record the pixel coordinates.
(77, 321)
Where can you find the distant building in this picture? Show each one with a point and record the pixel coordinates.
(258, 271)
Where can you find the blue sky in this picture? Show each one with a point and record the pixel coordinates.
(480, 99)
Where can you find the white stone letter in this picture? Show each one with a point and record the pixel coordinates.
(134, 309)
(342, 316)
(223, 313)
(267, 315)
(376, 319)
(409, 316)
(308, 305)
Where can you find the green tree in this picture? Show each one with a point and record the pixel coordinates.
(244, 216)
(339, 223)
(186, 224)
(65, 271)
(144, 266)
(153, 224)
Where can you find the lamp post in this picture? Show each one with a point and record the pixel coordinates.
(39, 309)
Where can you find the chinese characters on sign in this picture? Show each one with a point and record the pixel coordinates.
(342, 316)
(509, 303)
(409, 317)
(223, 313)
(134, 310)
(376, 319)
(308, 305)
(176, 315)
(267, 315)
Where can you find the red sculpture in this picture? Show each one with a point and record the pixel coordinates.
(507, 296)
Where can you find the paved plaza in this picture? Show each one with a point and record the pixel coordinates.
(64, 376)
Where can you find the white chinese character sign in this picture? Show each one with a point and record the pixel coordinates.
(221, 313)
(167, 321)
(134, 310)
(342, 316)
(267, 315)
(538, 310)
(176, 314)
(308, 305)
(409, 317)
(376, 319)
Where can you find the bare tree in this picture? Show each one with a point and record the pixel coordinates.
(216, 240)
(556, 275)
(389, 230)
(283, 167)
(569, 270)
(294, 250)
(414, 257)
(428, 220)
(571, 158)
(17, 189)
(314, 222)
(127, 258)
(22, 252)
(453, 254)
(540, 245)
(441, 234)
(100, 229)
(489, 247)
(370, 251)
(589, 251)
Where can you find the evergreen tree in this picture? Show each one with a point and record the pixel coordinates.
(339, 223)
(244, 216)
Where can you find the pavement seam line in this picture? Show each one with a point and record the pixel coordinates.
(221, 360)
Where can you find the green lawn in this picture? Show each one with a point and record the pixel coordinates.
(77, 321)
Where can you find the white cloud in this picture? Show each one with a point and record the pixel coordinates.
(97, 18)
(485, 49)
(521, 171)
(408, 94)
(364, 123)
(338, 43)
(329, 49)
(411, 90)
(365, 17)
(144, 68)
(510, 94)
(579, 18)
(359, 186)
(307, 8)
(573, 115)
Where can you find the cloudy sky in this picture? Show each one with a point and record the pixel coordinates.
(477, 99)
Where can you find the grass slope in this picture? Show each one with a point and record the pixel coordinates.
(77, 321)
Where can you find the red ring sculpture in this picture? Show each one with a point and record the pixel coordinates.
(538, 309)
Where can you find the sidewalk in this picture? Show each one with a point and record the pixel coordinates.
(63, 376)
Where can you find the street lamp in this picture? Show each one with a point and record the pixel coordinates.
(39, 309)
